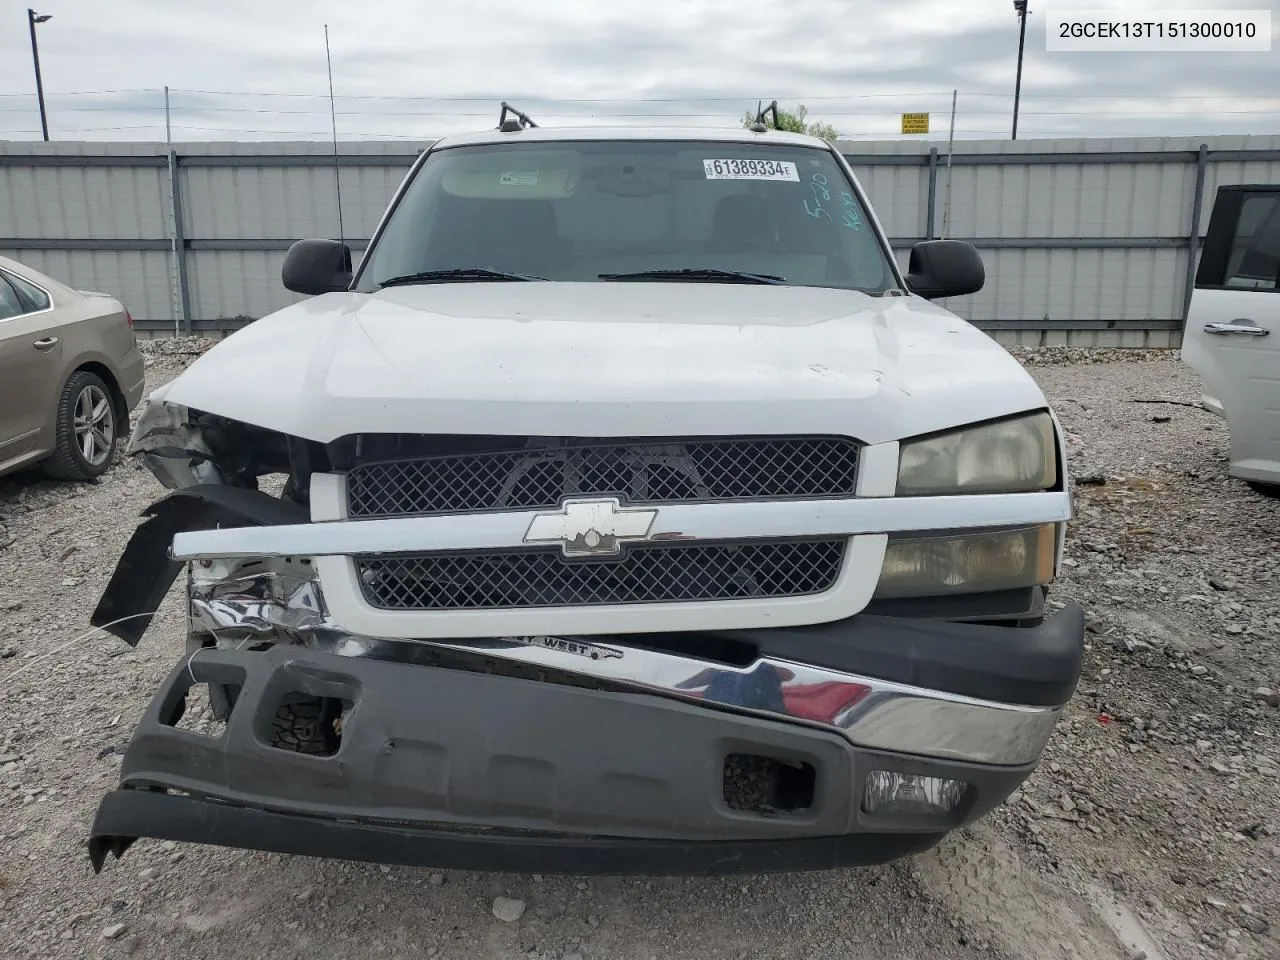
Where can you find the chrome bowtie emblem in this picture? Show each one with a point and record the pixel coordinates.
(591, 528)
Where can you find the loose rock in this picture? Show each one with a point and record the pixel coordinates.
(1254, 924)
(1267, 696)
(507, 909)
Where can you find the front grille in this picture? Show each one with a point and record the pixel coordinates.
(645, 573)
(635, 471)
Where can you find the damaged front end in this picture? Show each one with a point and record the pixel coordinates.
(853, 741)
(213, 465)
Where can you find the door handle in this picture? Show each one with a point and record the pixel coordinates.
(1246, 327)
(47, 343)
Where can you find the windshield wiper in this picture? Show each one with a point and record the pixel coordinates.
(457, 275)
(696, 275)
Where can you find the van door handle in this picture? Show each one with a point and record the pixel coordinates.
(46, 344)
(1246, 327)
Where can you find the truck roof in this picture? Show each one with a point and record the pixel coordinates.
(546, 134)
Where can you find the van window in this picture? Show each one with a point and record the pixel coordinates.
(1254, 261)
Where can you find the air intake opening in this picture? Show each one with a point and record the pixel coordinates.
(767, 786)
(196, 711)
(307, 724)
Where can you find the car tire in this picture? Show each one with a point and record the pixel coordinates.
(86, 427)
(307, 725)
(1271, 490)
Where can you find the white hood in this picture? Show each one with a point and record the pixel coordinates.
(608, 359)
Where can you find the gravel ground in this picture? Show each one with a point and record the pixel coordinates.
(1150, 828)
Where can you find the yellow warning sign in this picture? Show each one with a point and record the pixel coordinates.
(915, 123)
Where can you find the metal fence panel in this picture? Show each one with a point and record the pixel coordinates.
(93, 202)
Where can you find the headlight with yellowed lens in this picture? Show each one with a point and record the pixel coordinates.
(1011, 456)
(975, 563)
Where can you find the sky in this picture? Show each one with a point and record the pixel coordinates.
(417, 69)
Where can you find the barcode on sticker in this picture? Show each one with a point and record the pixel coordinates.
(750, 170)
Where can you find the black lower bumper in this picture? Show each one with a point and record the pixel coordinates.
(454, 768)
(131, 813)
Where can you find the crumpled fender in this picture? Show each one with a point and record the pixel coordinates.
(145, 570)
(176, 450)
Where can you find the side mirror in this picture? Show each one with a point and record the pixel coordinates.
(317, 266)
(945, 268)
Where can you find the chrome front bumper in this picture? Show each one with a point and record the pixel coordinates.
(242, 602)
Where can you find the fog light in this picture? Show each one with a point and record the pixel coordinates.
(890, 794)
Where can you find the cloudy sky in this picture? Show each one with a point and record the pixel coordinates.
(255, 69)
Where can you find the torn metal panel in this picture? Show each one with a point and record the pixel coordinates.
(239, 602)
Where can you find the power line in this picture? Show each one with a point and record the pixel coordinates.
(684, 99)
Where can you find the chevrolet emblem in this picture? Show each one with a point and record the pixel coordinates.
(591, 528)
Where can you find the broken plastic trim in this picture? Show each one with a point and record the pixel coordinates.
(145, 570)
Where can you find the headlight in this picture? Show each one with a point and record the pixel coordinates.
(936, 566)
(1012, 456)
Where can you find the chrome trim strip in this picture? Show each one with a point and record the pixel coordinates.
(682, 521)
(282, 602)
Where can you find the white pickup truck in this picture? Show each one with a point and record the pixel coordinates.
(640, 515)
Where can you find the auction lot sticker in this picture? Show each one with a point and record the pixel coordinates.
(750, 170)
(1155, 31)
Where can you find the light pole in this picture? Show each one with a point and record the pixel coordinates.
(32, 19)
(1020, 8)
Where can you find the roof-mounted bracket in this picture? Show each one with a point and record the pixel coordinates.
(512, 126)
(758, 125)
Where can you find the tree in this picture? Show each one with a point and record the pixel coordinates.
(796, 121)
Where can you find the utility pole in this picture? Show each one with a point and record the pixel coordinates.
(32, 19)
(1020, 8)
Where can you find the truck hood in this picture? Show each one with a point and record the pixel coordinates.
(608, 359)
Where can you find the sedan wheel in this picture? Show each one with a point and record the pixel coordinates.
(86, 425)
(95, 425)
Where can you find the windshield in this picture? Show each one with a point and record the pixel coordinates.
(602, 211)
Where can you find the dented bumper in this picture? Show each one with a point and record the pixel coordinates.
(443, 767)
(563, 753)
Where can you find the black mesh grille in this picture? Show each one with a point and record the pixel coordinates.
(634, 471)
(645, 573)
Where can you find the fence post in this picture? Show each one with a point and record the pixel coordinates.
(1193, 242)
(933, 192)
(179, 242)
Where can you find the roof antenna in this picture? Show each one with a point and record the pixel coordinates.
(758, 125)
(333, 120)
(511, 126)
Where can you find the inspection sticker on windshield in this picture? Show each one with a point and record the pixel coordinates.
(750, 170)
(519, 178)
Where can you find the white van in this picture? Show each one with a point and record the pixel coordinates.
(1232, 338)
